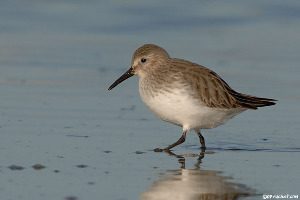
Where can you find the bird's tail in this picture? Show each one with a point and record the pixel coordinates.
(252, 102)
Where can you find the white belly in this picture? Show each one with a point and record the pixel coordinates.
(182, 109)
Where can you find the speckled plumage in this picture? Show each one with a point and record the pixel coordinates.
(185, 93)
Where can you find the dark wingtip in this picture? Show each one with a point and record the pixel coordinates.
(252, 102)
(255, 103)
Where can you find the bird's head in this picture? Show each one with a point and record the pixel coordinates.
(144, 60)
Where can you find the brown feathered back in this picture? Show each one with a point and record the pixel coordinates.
(214, 91)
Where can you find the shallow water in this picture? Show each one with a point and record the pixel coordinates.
(64, 136)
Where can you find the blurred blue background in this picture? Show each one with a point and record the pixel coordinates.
(57, 59)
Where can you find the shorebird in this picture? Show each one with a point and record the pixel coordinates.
(185, 93)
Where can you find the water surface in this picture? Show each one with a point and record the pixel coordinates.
(64, 136)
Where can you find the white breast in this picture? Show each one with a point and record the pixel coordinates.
(178, 107)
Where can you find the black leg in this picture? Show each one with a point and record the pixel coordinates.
(202, 140)
(178, 142)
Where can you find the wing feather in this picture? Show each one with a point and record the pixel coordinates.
(213, 91)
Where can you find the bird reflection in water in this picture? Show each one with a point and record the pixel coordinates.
(194, 184)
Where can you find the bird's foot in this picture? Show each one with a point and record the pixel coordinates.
(166, 150)
(158, 150)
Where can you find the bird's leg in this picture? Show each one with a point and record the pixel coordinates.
(202, 140)
(178, 142)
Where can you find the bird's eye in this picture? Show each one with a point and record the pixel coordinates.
(143, 60)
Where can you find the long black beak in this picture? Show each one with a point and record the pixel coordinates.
(125, 76)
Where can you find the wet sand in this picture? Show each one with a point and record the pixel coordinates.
(64, 136)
